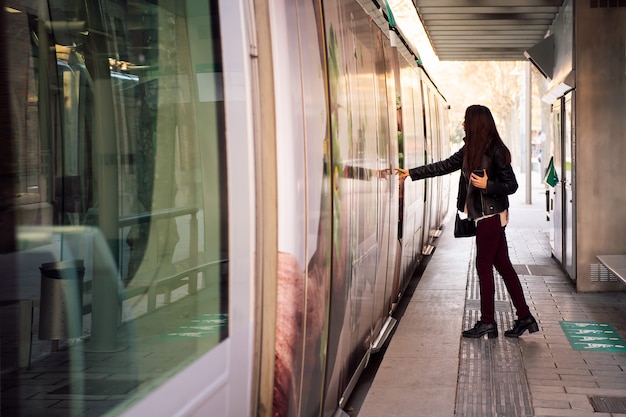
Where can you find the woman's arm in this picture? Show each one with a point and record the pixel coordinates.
(453, 163)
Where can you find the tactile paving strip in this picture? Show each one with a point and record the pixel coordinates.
(492, 381)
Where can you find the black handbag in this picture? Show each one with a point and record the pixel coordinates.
(464, 227)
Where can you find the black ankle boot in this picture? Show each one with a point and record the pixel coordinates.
(480, 329)
(520, 326)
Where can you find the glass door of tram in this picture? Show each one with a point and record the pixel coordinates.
(127, 227)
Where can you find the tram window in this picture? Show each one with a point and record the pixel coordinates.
(118, 131)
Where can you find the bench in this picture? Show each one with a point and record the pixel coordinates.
(616, 264)
(164, 278)
(168, 278)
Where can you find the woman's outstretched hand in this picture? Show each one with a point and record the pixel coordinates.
(402, 173)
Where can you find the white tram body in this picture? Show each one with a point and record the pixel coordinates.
(211, 186)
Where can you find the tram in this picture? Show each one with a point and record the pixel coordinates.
(200, 210)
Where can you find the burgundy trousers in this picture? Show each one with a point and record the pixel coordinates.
(492, 251)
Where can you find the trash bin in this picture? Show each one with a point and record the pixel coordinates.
(61, 303)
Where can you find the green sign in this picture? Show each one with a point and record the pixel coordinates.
(595, 337)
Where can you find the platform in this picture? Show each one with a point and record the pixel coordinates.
(574, 366)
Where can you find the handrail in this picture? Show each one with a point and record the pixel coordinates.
(159, 214)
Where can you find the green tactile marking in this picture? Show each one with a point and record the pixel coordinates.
(591, 336)
(205, 325)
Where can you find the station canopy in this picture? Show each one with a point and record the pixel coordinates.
(485, 30)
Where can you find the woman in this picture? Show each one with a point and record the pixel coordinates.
(486, 180)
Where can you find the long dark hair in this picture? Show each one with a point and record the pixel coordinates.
(480, 131)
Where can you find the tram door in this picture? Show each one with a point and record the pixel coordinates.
(429, 158)
(127, 193)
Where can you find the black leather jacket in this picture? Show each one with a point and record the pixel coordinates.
(500, 184)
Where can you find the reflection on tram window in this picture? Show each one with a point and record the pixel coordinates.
(121, 244)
